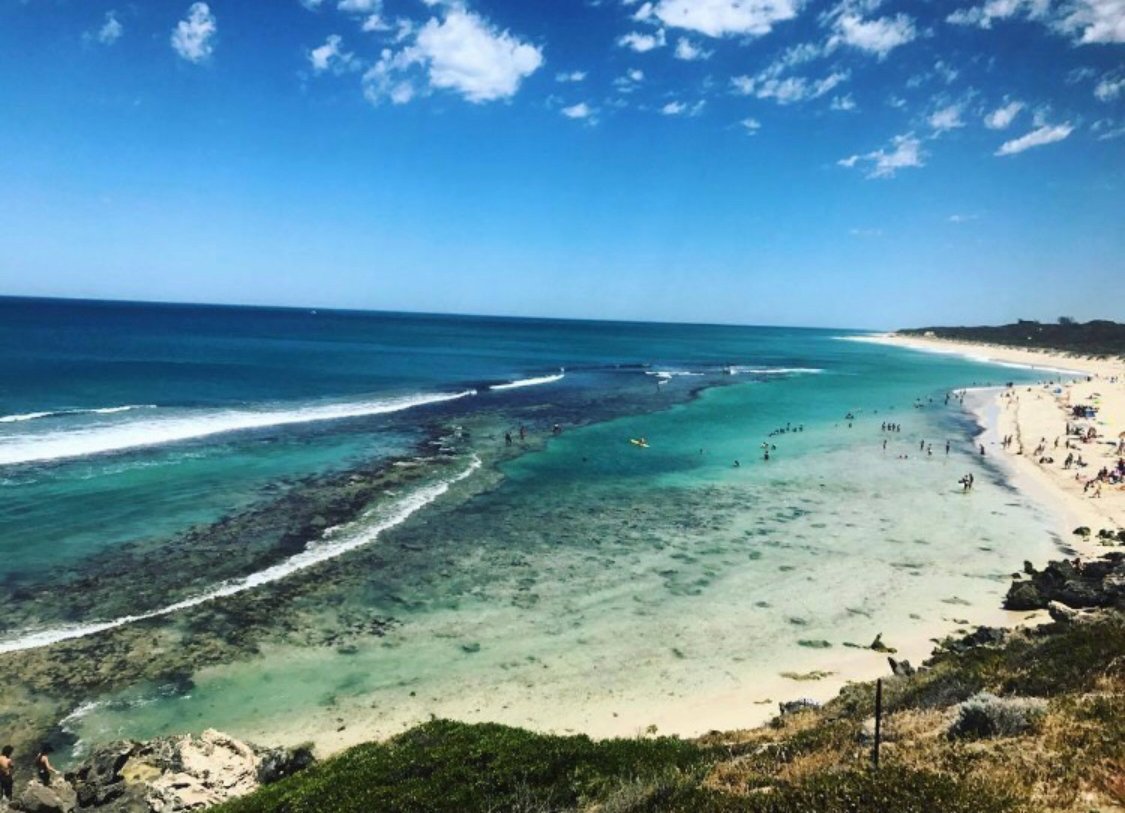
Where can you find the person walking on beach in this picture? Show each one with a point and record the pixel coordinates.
(7, 779)
(947, 448)
(922, 445)
(43, 765)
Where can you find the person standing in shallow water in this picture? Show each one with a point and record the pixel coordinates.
(7, 779)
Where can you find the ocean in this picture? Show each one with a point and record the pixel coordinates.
(306, 524)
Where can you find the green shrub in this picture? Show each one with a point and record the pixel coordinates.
(986, 715)
(448, 766)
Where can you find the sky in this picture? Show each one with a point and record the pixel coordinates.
(843, 163)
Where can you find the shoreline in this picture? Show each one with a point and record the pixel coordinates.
(1032, 414)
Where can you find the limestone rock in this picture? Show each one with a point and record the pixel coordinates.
(174, 774)
(58, 797)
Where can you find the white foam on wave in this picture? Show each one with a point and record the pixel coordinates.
(61, 413)
(80, 442)
(672, 373)
(315, 553)
(529, 382)
(737, 370)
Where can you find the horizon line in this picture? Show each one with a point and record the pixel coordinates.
(337, 309)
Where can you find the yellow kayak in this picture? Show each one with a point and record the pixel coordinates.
(639, 442)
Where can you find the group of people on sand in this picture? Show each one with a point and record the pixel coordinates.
(891, 427)
(43, 769)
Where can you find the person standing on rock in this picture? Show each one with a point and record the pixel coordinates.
(7, 780)
(43, 765)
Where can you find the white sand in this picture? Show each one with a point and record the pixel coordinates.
(1032, 415)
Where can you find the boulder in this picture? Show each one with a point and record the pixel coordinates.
(58, 797)
(1085, 584)
(901, 668)
(1023, 596)
(278, 763)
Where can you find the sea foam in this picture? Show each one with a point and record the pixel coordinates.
(114, 437)
(529, 382)
(322, 550)
(62, 413)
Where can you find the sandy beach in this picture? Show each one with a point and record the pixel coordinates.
(1037, 415)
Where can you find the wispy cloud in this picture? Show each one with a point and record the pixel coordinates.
(642, 43)
(786, 90)
(904, 151)
(331, 56)
(1003, 116)
(689, 51)
(110, 31)
(1047, 134)
(578, 111)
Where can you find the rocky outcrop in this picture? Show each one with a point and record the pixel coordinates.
(58, 797)
(1075, 584)
(172, 774)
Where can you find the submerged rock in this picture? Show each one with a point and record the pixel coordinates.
(172, 774)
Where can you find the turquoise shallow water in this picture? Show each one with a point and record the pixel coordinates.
(585, 584)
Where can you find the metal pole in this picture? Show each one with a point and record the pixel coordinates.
(878, 720)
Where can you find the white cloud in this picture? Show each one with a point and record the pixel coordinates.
(111, 30)
(641, 43)
(689, 51)
(1001, 117)
(751, 125)
(1109, 88)
(461, 52)
(879, 36)
(193, 37)
(865, 232)
(572, 76)
(678, 108)
(843, 103)
(904, 151)
(983, 15)
(311, 5)
(955, 218)
(1047, 134)
(1092, 21)
(329, 56)
(1085, 21)
(578, 111)
(719, 18)
(628, 83)
(360, 6)
(947, 118)
(786, 90)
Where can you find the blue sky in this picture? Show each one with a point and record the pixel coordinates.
(842, 163)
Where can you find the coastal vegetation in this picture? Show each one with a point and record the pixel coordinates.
(996, 721)
(1099, 337)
